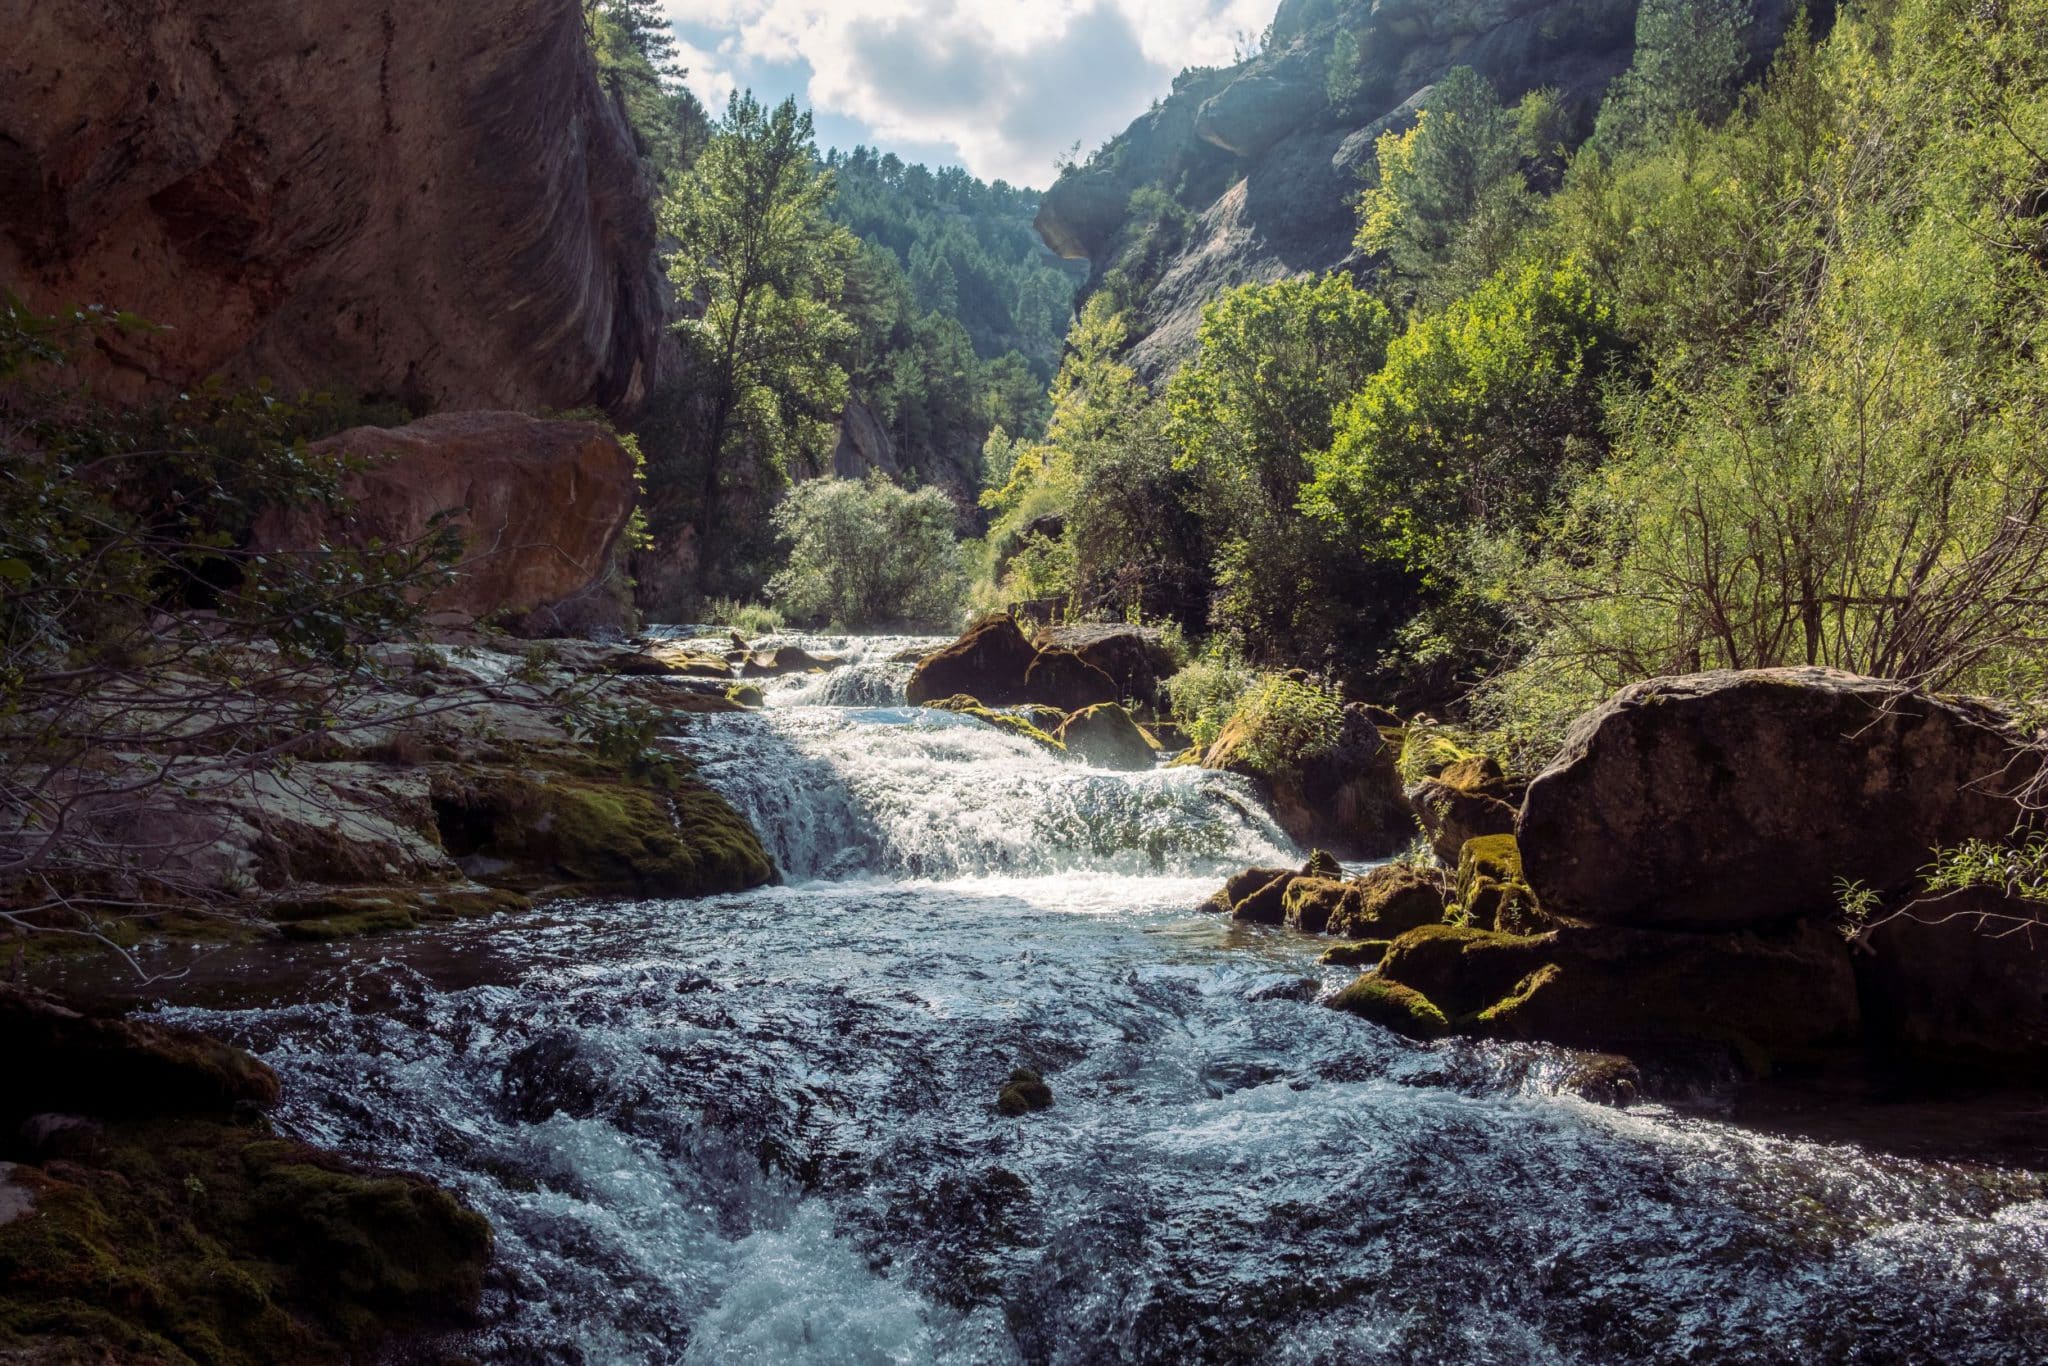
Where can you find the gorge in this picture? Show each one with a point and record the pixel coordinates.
(1403, 720)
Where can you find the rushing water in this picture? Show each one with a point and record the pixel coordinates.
(760, 1128)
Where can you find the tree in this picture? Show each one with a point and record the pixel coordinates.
(756, 251)
(1450, 191)
(1273, 364)
(868, 553)
(1688, 63)
(1474, 420)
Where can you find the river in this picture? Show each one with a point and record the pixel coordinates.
(760, 1128)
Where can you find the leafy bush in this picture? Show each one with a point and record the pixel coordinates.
(1285, 722)
(866, 552)
(1204, 694)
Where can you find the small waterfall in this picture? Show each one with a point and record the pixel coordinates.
(914, 793)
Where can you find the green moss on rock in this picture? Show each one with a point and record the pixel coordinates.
(1393, 1006)
(1363, 953)
(1024, 1092)
(1388, 900)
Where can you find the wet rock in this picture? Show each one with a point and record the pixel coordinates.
(1491, 892)
(1322, 863)
(599, 837)
(1347, 799)
(1135, 658)
(1604, 1079)
(540, 505)
(1386, 901)
(1739, 798)
(1467, 800)
(1288, 989)
(1062, 678)
(787, 659)
(1960, 983)
(1238, 886)
(547, 1077)
(1393, 1006)
(1265, 904)
(1766, 997)
(59, 1061)
(1308, 904)
(1025, 1092)
(1363, 953)
(1013, 720)
(987, 663)
(1105, 736)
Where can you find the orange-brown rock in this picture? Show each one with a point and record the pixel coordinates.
(435, 203)
(540, 504)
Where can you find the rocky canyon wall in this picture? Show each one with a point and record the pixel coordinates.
(432, 202)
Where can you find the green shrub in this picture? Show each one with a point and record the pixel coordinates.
(867, 552)
(1203, 695)
(748, 618)
(1285, 722)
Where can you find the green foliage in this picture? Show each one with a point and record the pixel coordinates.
(2018, 869)
(1205, 693)
(1478, 414)
(755, 248)
(748, 618)
(1284, 722)
(635, 53)
(865, 553)
(1451, 197)
(1688, 64)
(1259, 395)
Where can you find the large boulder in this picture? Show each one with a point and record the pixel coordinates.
(1347, 799)
(1062, 678)
(441, 204)
(1741, 798)
(540, 505)
(1135, 658)
(1105, 736)
(1960, 981)
(988, 663)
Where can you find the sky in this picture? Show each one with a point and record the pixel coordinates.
(998, 86)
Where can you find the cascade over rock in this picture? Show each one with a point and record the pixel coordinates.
(435, 203)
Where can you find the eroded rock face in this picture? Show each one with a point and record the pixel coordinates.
(430, 202)
(1270, 166)
(540, 504)
(1740, 798)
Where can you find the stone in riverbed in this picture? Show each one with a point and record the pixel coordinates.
(987, 662)
(1024, 1092)
(1386, 901)
(1466, 801)
(1105, 736)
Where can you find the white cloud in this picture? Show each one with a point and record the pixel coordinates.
(1007, 86)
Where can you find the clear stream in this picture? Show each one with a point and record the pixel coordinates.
(760, 1128)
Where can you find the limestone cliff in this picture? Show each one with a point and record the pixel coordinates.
(432, 202)
(1269, 166)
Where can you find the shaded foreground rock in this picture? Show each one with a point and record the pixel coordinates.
(1728, 799)
(175, 1227)
(987, 663)
(540, 506)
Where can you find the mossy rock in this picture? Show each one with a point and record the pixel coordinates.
(1461, 968)
(1308, 904)
(599, 838)
(1105, 736)
(1240, 885)
(1491, 891)
(1388, 900)
(1011, 721)
(197, 1240)
(346, 913)
(1024, 1092)
(1322, 863)
(747, 695)
(1394, 1006)
(1362, 953)
(1265, 904)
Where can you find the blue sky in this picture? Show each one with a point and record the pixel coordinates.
(1000, 88)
